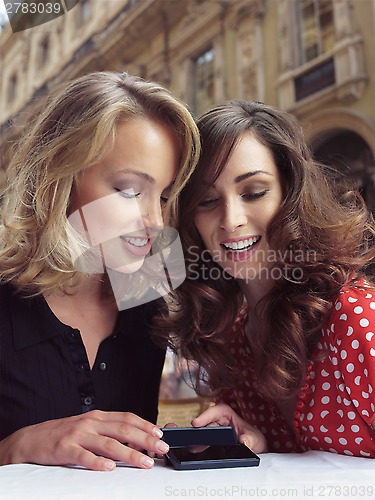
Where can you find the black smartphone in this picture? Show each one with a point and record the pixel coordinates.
(212, 457)
(178, 437)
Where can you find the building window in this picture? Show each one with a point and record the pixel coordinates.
(317, 78)
(12, 88)
(316, 28)
(204, 81)
(44, 52)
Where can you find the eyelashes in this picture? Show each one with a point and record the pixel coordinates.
(209, 202)
(128, 194)
(255, 196)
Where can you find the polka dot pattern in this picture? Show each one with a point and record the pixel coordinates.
(336, 404)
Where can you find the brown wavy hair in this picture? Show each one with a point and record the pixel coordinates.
(320, 215)
(73, 128)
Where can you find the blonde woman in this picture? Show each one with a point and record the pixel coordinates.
(79, 377)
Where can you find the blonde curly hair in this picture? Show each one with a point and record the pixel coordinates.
(74, 127)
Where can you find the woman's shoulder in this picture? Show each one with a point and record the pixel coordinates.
(355, 297)
(353, 310)
(10, 296)
(6, 290)
(6, 293)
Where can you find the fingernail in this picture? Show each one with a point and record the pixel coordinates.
(108, 465)
(162, 446)
(157, 432)
(147, 461)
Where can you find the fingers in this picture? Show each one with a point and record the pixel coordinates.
(125, 418)
(127, 433)
(107, 437)
(125, 428)
(111, 450)
(247, 440)
(220, 414)
(223, 414)
(169, 425)
(254, 440)
(89, 460)
(94, 440)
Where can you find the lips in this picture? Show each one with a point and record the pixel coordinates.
(138, 242)
(240, 248)
(241, 245)
(139, 246)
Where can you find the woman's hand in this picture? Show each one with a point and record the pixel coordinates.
(93, 440)
(222, 414)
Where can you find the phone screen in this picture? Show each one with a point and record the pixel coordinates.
(206, 457)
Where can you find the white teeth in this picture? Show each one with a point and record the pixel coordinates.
(137, 242)
(242, 244)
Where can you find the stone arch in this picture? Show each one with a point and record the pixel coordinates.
(345, 140)
(327, 121)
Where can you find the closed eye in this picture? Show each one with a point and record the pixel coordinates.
(209, 202)
(129, 194)
(254, 196)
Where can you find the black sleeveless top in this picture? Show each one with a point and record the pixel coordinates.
(45, 373)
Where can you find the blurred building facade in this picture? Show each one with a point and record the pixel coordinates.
(313, 58)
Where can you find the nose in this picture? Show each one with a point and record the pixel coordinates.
(233, 216)
(152, 215)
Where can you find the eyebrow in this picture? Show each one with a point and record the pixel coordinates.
(242, 177)
(142, 175)
(147, 177)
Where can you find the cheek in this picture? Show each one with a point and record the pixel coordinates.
(270, 211)
(199, 226)
(204, 227)
(110, 217)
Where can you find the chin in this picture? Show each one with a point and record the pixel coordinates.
(244, 273)
(129, 268)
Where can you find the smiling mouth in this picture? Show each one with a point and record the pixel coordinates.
(137, 242)
(241, 245)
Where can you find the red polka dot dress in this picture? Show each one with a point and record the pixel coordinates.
(336, 404)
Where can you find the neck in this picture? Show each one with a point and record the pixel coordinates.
(254, 290)
(89, 290)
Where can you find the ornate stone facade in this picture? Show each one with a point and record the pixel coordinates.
(257, 55)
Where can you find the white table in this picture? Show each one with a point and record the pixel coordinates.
(312, 475)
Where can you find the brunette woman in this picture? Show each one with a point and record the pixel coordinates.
(277, 308)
